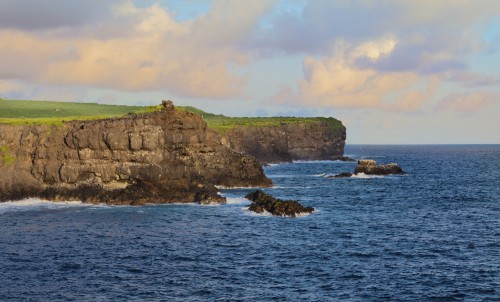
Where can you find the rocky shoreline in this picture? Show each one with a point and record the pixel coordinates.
(158, 157)
(164, 156)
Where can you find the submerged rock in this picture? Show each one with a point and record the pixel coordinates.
(264, 202)
(370, 167)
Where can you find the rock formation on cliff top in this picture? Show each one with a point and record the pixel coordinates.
(158, 157)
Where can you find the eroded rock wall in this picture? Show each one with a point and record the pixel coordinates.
(166, 156)
(288, 142)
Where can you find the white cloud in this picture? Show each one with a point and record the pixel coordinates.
(152, 51)
(337, 81)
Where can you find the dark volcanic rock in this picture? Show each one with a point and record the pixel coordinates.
(370, 167)
(346, 159)
(341, 175)
(159, 157)
(264, 202)
(290, 141)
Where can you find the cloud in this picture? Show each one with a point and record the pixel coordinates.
(19, 90)
(467, 102)
(41, 15)
(138, 49)
(472, 79)
(337, 81)
(433, 36)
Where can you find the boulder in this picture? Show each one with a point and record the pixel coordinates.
(341, 175)
(370, 167)
(262, 202)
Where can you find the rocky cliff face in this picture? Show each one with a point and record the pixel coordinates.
(315, 140)
(166, 156)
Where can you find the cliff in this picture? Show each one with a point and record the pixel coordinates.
(158, 157)
(308, 140)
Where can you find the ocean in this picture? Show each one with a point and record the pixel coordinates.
(430, 235)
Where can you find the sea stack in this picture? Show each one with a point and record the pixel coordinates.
(262, 202)
(370, 167)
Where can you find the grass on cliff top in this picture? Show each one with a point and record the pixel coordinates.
(54, 113)
(223, 123)
(20, 112)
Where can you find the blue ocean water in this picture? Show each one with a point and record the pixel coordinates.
(430, 235)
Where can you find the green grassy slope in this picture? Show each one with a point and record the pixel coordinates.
(223, 123)
(45, 112)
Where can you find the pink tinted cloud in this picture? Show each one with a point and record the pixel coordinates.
(151, 51)
(467, 102)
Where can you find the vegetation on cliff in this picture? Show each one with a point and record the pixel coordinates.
(223, 123)
(5, 157)
(20, 112)
(156, 157)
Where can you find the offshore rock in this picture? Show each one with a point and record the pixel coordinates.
(159, 157)
(370, 167)
(262, 202)
(342, 175)
(314, 140)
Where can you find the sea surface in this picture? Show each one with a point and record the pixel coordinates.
(430, 235)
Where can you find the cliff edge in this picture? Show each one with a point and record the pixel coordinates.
(286, 142)
(157, 157)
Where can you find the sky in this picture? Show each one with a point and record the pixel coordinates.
(394, 72)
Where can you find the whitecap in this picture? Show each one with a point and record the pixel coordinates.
(36, 203)
(319, 175)
(235, 188)
(236, 200)
(268, 214)
(327, 161)
(363, 175)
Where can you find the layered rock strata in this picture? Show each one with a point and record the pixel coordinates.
(159, 157)
(314, 140)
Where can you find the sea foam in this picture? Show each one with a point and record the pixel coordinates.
(35, 203)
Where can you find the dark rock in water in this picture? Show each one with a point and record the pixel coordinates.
(345, 158)
(277, 207)
(370, 167)
(341, 175)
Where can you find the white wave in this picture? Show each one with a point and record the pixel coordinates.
(327, 161)
(274, 164)
(363, 175)
(237, 200)
(35, 203)
(252, 213)
(319, 175)
(301, 215)
(235, 188)
(281, 175)
(268, 214)
(290, 187)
